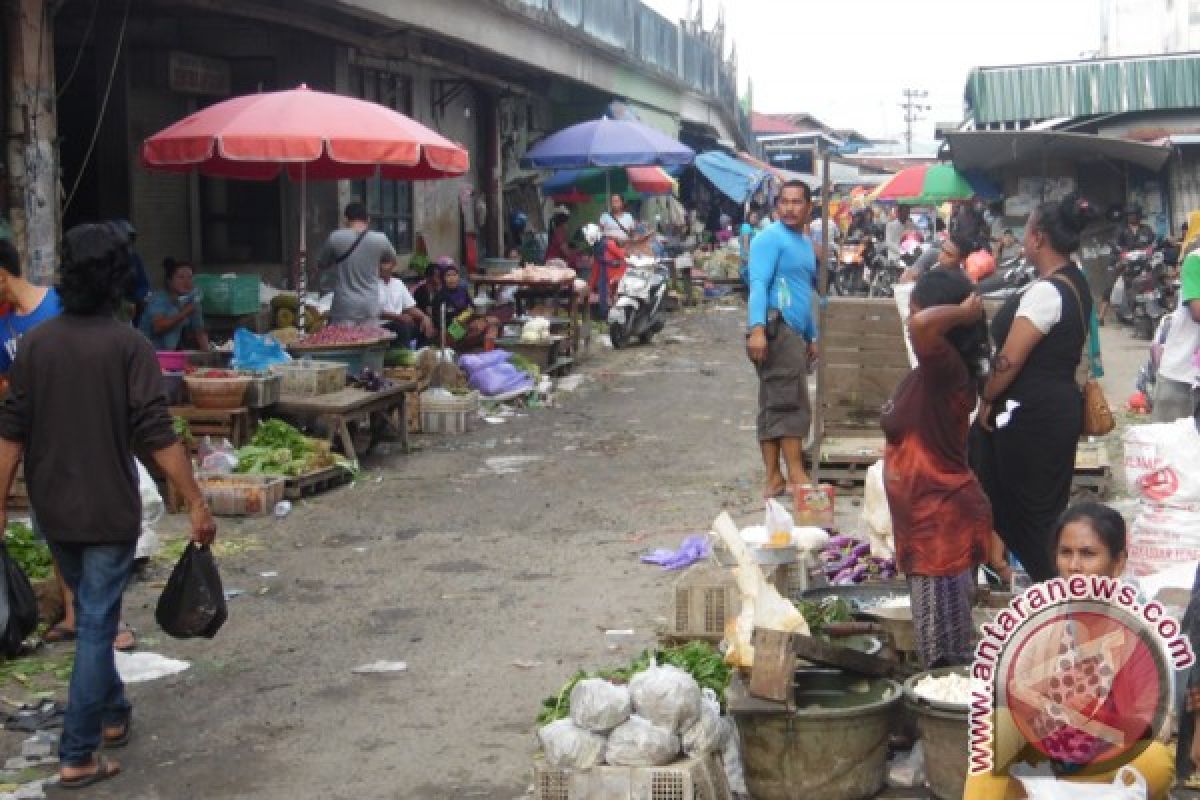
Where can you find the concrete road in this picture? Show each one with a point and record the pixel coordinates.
(490, 563)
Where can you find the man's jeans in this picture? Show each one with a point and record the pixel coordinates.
(97, 574)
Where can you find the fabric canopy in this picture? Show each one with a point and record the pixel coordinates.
(990, 149)
(311, 134)
(733, 177)
(647, 181)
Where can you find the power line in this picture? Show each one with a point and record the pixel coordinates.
(913, 106)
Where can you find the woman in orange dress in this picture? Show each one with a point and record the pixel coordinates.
(941, 518)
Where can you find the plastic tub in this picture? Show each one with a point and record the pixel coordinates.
(241, 495)
(306, 378)
(172, 360)
(944, 730)
(452, 415)
(358, 358)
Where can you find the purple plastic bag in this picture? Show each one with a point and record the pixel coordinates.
(500, 379)
(474, 362)
(694, 548)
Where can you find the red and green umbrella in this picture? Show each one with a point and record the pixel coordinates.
(932, 185)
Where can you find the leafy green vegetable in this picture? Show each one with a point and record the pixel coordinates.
(700, 659)
(182, 429)
(30, 552)
(820, 613)
(400, 357)
(279, 449)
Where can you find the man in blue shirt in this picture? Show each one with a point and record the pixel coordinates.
(782, 335)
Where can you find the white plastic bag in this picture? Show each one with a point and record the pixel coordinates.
(877, 516)
(1162, 462)
(731, 758)
(779, 524)
(567, 746)
(638, 742)
(599, 706)
(666, 696)
(705, 735)
(153, 509)
(1128, 784)
(902, 293)
(1161, 537)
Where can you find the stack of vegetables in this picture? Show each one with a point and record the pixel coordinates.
(847, 560)
(279, 449)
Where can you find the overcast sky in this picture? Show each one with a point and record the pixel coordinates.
(847, 62)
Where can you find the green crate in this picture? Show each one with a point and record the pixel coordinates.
(228, 296)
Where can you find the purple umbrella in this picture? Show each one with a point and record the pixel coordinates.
(607, 143)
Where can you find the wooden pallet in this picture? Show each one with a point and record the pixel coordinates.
(1093, 471)
(845, 460)
(315, 483)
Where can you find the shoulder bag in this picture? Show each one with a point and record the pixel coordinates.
(1097, 416)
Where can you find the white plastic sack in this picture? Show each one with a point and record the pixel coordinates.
(599, 706)
(1161, 537)
(705, 735)
(731, 758)
(902, 293)
(1162, 462)
(638, 742)
(877, 516)
(567, 746)
(1128, 784)
(666, 696)
(153, 509)
(778, 521)
(142, 666)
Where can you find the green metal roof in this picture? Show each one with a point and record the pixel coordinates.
(1083, 88)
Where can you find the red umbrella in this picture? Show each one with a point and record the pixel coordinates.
(309, 134)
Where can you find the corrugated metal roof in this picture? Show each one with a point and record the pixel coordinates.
(1082, 88)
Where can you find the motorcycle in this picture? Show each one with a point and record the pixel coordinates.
(1129, 266)
(854, 257)
(1154, 296)
(1010, 278)
(637, 308)
(884, 276)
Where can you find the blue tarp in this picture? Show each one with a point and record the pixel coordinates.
(735, 179)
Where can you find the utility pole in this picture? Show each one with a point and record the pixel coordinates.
(913, 107)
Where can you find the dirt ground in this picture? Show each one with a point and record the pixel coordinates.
(491, 564)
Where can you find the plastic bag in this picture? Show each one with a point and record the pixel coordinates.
(500, 379)
(1162, 462)
(257, 352)
(666, 696)
(599, 706)
(1127, 784)
(153, 509)
(731, 758)
(638, 742)
(1161, 537)
(779, 524)
(474, 362)
(219, 458)
(193, 601)
(877, 516)
(19, 605)
(705, 735)
(567, 746)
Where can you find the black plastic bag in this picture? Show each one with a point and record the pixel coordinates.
(193, 601)
(21, 608)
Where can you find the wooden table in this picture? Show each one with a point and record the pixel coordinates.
(337, 410)
(578, 331)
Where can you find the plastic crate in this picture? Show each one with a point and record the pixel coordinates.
(457, 414)
(263, 391)
(228, 295)
(357, 359)
(241, 495)
(688, 779)
(311, 378)
(705, 597)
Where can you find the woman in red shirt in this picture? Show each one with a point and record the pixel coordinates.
(941, 518)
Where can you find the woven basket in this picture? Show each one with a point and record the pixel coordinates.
(217, 392)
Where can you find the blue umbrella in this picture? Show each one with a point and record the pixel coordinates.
(607, 143)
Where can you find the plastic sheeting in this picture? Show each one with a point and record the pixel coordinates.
(734, 178)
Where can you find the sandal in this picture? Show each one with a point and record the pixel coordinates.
(104, 770)
(58, 633)
(130, 641)
(122, 738)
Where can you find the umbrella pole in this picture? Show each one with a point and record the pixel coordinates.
(302, 279)
(602, 287)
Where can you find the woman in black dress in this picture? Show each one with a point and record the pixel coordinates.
(1031, 413)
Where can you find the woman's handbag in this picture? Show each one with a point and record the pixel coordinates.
(1097, 416)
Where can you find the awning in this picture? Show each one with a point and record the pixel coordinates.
(736, 179)
(991, 149)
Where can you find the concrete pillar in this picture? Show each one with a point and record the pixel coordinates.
(32, 127)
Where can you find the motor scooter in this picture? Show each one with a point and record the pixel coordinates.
(1130, 264)
(1010, 277)
(638, 306)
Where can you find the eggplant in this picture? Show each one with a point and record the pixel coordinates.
(842, 541)
(861, 550)
(845, 562)
(843, 577)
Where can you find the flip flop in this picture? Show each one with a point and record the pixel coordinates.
(122, 739)
(123, 628)
(105, 769)
(58, 633)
